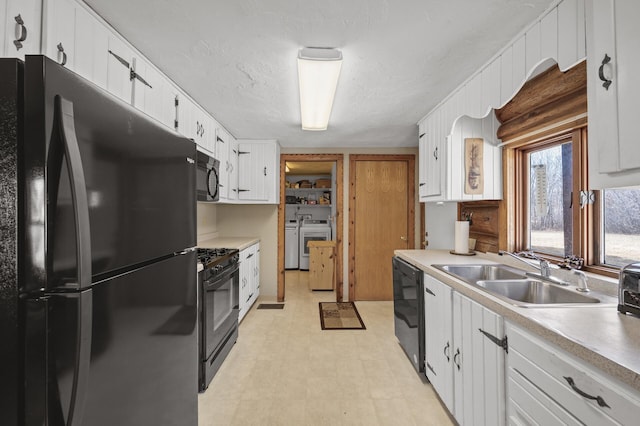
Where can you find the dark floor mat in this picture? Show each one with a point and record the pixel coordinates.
(271, 306)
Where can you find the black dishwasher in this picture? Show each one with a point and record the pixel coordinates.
(408, 309)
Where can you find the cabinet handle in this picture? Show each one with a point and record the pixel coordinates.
(420, 137)
(23, 33)
(447, 352)
(435, 153)
(598, 398)
(64, 55)
(606, 81)
(455, 358)
(427, 290)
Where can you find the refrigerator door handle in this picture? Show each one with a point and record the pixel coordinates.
(66, 125)
(83, 357)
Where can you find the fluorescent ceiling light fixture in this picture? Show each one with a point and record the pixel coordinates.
(318, 72)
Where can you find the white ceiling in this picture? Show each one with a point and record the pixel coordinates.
(237, 58)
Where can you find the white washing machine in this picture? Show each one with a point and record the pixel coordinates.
(312, 230)
(291, 244)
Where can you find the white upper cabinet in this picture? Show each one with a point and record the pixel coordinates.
(613, 92)
(90, 53)
(259, 171)
(222, 143)
(22, 25)
(444, 171)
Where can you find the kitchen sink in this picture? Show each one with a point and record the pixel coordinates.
(513, 286)
(474, 273)
(533, 292)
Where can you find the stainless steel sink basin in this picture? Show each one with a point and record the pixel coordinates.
(514, 287)
(533, 292)
(474, 273)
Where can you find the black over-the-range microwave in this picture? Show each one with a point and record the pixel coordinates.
(207, 178)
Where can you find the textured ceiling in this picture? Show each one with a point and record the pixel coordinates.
(237, 58)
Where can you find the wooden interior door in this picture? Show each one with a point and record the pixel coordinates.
(382, 218)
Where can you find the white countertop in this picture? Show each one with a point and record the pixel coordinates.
(598, 335)
(239, 243)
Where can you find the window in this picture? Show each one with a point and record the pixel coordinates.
(621, 231)
(553, 216)
(550, 187)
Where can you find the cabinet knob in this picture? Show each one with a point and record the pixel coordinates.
(22, 35)
(606, 82)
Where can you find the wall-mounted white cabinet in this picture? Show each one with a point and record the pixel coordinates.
(22, 27)
(443, 171)
(548, 386)
(463, 362)
(613, 92)
(222, 149)
(258, 171)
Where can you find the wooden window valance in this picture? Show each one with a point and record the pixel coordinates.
(548, 104)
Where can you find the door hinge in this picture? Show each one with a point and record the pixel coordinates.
(500, 342)
(175, 124)
(431, 369)
(120, 59)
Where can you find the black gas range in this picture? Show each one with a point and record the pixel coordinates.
(212, 257)
(219, 296)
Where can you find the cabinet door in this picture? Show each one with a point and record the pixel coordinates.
(91, 51)
(22, 38)
(628, 64)
(257, 168)
(233, 170)
(438, 338)
(222, 154)
(119, 58)
(422, 162)
(59, 37)
(186, 120)
(479, 396)
(603, 102)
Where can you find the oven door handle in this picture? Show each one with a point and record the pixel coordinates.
(218, 281)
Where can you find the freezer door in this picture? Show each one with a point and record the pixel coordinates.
(142, 363)
(136, 177)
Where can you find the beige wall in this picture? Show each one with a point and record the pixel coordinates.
(207, 221)
(261, 221)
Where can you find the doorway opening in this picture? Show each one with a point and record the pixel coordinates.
(312, 207)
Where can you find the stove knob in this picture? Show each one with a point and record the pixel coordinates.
(218, 268)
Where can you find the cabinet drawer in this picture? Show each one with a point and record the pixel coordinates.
(527, 405)
(549, 369)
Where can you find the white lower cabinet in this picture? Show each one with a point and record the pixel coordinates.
(547, 386)
(464, 355)
(249, 278)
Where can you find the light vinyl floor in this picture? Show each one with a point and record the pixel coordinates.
(285, 370)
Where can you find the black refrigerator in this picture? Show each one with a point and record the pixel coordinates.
(98, 314)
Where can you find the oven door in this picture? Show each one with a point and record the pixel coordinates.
(207, 178)
(219, 309)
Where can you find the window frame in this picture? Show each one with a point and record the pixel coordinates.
(587, 220)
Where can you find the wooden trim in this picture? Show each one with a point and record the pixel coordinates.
(339, 159)
(411, 179)
(543, 89)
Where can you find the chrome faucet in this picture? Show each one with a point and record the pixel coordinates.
(543, 266)
(582, 277)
